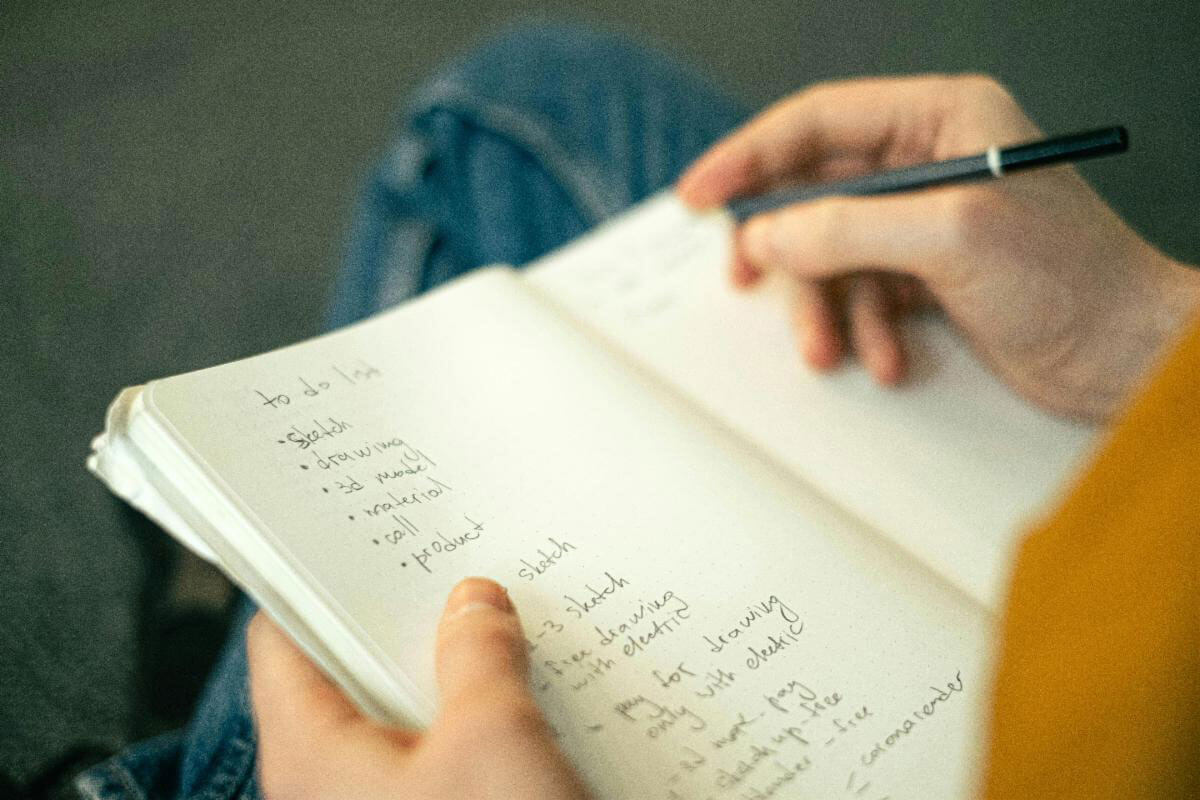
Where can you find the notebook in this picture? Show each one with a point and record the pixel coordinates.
(737, 578)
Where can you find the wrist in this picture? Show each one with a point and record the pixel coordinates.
(1181, 299)
(1171, 298)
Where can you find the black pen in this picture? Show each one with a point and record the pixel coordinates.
(995, 162)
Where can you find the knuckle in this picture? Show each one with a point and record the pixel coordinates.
(499, 631)
(485, 634)
(981, 87)
(819, 91)
(752, 163)
(814, 100)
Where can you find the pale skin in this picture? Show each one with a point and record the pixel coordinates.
(1063, 300)
(489, 740)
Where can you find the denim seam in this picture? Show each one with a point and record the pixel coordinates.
(234, 758)
(394, 286)
(578, 180)
(98, 783)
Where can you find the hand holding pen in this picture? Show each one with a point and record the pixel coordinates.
(1055, 292)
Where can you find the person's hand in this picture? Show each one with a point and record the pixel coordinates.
(1055, 292)
(489, 741)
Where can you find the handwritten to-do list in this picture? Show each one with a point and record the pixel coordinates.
(699, 624)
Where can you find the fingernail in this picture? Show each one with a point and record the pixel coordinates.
(474, 594)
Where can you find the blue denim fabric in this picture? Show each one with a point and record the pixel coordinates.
(510, 152)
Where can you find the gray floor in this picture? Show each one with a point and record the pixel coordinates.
(175, 180)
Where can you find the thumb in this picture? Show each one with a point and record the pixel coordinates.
(480, 654)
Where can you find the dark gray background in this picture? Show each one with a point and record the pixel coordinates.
(175, 182)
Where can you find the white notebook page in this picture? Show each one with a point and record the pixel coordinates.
(701, 625)
(953, 466)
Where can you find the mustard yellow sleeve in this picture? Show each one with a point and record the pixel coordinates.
(1098, 685)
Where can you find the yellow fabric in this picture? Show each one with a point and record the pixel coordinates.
(1098, 687)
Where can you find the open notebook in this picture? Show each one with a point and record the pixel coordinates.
(737, 578)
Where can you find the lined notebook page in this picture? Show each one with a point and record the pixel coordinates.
(952, 466)
(700, 625)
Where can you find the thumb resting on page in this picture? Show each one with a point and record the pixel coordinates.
(489, 740)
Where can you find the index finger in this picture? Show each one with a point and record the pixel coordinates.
(285, 687)
(310, 736)
(856, 121)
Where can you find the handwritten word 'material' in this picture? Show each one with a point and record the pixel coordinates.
(429, 492)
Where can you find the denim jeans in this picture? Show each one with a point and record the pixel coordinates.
(508, 153)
